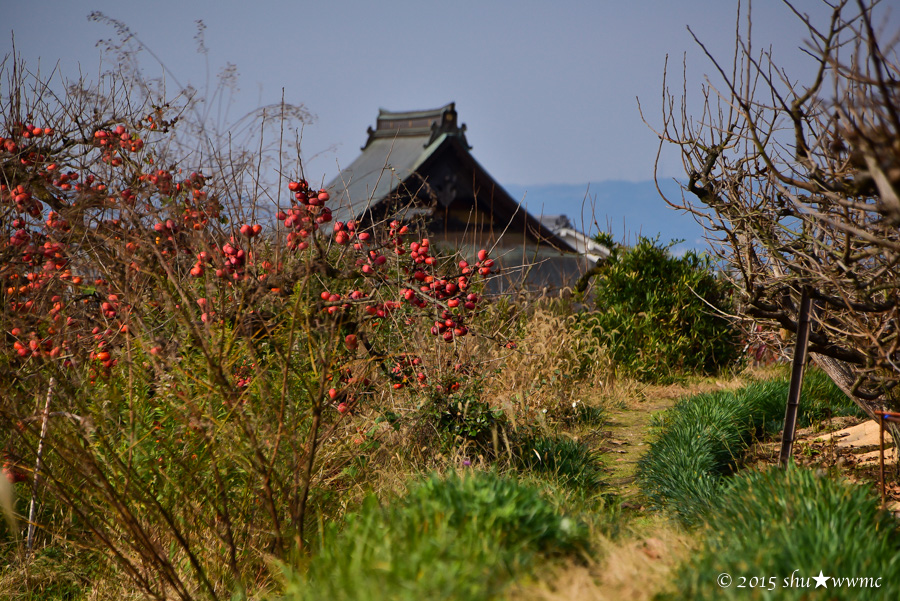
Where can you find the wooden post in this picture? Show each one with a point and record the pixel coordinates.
(45, 419)
(793, 402)
(881, 454)
(886, 416)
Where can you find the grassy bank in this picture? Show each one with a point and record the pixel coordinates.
(703, 438)
(772, 531)
(454, 537)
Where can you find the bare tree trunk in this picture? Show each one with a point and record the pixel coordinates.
(842, 375)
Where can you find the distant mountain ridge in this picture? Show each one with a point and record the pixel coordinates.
(624, 209)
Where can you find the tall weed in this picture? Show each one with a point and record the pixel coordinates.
(549, 358)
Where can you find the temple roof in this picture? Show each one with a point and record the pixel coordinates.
(398, 145)
(428, 124)
(417, 142)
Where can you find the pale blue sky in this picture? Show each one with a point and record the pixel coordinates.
(547, 89)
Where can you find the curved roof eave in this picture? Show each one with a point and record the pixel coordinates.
(387, 163)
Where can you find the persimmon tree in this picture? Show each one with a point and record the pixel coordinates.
(797, 181)
(194, 363)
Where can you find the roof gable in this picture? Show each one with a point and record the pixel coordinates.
(380, 170)
(413, 150)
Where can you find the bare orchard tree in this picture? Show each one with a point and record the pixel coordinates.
(798, 182)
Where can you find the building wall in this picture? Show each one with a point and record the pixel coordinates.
(521, 262)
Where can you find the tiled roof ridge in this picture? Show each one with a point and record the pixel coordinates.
(428, 124)
(416, 114)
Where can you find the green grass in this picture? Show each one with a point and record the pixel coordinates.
(459, 537)
(571, 463)
(703, 438)
(586, 415)
(775, 522)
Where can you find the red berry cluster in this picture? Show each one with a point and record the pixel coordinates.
(348, 396)
(306, 213)
(199, 206)
(63, 181)
(408, 369)
(40, 253)
(30, 131)
(113, 141)
(243, 374)
(22, 198)
(27, 132)
(235, 261)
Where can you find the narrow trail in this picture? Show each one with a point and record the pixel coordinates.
(628, 431)
(639, 561)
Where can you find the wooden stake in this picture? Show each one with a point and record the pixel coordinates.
(32, 507)
(793, 401)
(881, 423)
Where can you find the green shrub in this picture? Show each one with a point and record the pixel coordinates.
(451, 419)
(791, 522)
(452, 538)
(654, 313)
(703, 438)
(570, 462)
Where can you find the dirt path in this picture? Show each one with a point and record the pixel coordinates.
(629, 429)
(627, 436)
(640, 560)
(637, 563)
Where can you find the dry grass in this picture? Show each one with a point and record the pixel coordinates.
(634, 568)
(552, 363)
(534, 384)
(633, 395)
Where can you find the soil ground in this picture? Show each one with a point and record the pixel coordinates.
(847, 445)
